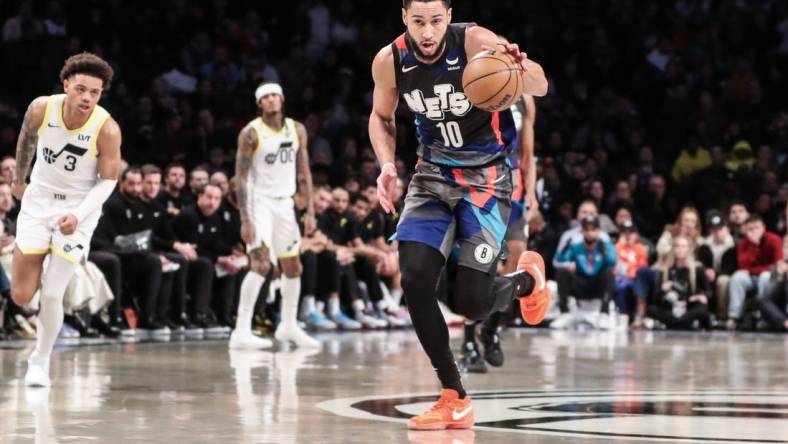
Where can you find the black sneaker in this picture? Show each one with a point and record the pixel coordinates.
(470, 361)
(153, 326)
(77, 323)
(172, 325)
(189, 327)
(108, 330)
(207, 322)
(492, 348)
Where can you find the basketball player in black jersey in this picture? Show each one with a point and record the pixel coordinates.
(461, 189)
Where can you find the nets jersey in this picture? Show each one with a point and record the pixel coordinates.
(451, 131)
(273, 172)
(66, 159)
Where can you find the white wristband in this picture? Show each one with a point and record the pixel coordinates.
(383, 167)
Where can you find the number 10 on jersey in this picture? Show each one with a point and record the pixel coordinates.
(451, 133)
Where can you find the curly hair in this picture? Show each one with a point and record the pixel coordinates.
(88, 64)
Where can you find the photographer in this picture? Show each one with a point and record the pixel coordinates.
(683, 294)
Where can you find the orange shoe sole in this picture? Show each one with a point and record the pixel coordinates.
(533, 308)
(465, 423)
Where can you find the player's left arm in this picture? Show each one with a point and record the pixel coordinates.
(305, 177)
(108, 147)
(478, 38)
(527, 158)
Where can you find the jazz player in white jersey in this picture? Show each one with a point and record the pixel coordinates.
(272, 154)
(77, 149)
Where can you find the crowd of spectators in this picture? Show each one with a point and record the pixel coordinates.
(664, 138)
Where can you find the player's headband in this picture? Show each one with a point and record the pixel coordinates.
(267, 88)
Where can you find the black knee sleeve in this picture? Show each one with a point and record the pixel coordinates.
(473, 294)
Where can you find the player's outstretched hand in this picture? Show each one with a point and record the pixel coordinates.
(513, 49)
(67, 224)
(387, 181)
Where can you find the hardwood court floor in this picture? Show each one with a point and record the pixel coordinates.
(572, 387)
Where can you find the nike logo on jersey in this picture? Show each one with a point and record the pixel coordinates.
(445, 100)
(498, 179)
(453, 62)
(52, 126)
(458, 415)
(409, 68)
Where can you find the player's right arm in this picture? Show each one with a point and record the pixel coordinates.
(382, 125)
(27, 142)
(247, 143)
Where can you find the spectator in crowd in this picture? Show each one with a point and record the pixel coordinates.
(201, 225)
(188, 267)
(8, 169)
(341, 226)
(683, 294)
(174, 197)
(717, 253)
(622, 198)
(575, 234)
(687, 225)
(654, 207)
(7, 225)
(219, 178)
(320, 276)
(370, 232)
(631, 256)
(757, 253)
(774, 304)
(124, 230)
(344, 259)
(588, 274)
(198, 178)
(692, 160)
(543, 239)
(8, 175)
(737, 216)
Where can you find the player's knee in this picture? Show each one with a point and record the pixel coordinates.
(293, 270)
(471, 306)
(21, 296)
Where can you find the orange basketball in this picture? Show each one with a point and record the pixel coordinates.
(493, 80)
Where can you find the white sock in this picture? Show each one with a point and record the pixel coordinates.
(333, 306)
(396, 297)
(250, 288)
(307, 305)
(291, 290)
(50, 314)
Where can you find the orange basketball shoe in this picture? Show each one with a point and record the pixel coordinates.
(450, 412)
(533, 307)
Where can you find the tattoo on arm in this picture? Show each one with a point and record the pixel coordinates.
(247, 142)
(25, 146)
(305, 176)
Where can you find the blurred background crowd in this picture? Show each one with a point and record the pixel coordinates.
(662, 149)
